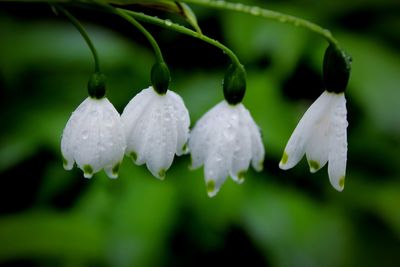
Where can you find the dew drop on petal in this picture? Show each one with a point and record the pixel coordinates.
(94, 113)
(85, 134)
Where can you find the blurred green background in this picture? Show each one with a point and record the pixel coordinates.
(51, 217)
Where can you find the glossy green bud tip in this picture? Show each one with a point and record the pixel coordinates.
(160, 77)
(336, 69)
(97, 85)
(234, 84)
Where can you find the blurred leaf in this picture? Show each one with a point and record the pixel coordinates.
(138, 210)
(294, 230)
(50, 235)
(254, 38)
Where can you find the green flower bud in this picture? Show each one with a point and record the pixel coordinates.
(234, 84)
(97, 85)
(336, 69)
(160, 77)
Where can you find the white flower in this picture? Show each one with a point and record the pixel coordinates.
(225, 140)
(321, 135)
(156, 128)
(94, 138)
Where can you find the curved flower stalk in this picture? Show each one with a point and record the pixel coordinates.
(94, 138)
(156, 128)
(226, 139)
(321, 135)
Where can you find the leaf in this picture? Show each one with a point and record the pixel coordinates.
(50, 235)
(285, 222)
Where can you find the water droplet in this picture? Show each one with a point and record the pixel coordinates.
(168, 22)
(239, 6)
(85, 135)
(220, 2)
(255, 11)
(229, 134)
(283, 19)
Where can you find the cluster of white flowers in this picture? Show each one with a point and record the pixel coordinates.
(154, 127)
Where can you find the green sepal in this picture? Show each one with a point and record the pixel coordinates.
(336, 69)
(97, 85)
(160, 77)
(234, 84)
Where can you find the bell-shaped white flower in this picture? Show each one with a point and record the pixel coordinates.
(156, 128)
(321, 135)
(226, 139)
(94, 138)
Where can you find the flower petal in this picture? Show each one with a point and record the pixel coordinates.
(136, 108)
(87, 139)
(221, 140)
(67, 140)
(162, 140)
(181, 116)
(317, 148)
(242, 152)
(112, 140)
(138, 134)
(216, 168)
(202, 135)
(296, 145)
(338, 142)
(257, 146)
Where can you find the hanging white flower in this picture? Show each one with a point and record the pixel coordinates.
(156, 127)
(94, 138)
(226, 139)
(321, 135)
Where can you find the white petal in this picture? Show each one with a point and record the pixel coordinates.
(135, 109)
(317, 147)
(162, 140)
(112, 140)
(257, 146)
(182, 119)
(222, 135)
(241, 147)
(86, 138)
(68, 145)
(202, 134)
(216, 168)
(137, 134)
(296, 145)
(338, 142)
